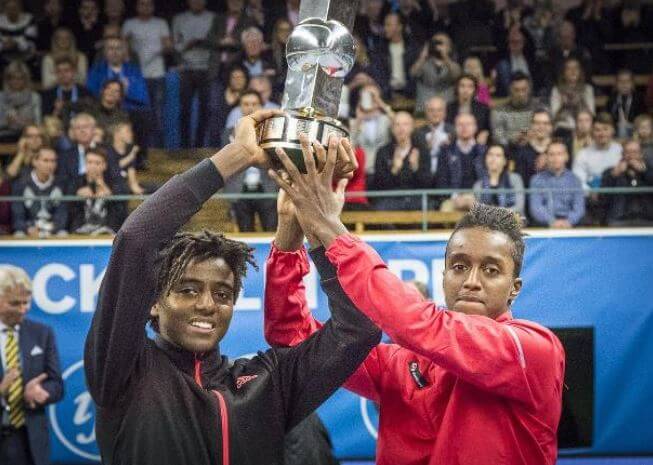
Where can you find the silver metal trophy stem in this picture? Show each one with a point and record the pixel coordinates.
(320, 52)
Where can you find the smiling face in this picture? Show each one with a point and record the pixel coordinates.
(479, 272)
(196, 313)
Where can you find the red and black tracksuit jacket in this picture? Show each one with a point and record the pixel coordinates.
(158, 404)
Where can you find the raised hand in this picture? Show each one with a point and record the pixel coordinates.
(245, 134)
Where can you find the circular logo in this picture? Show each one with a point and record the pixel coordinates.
(370, 414)
(73, 419)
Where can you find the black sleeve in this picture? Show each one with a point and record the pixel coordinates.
(311, 371)
(117, 336)
(383, 177)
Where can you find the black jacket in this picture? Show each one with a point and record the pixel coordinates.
(159, 404)
(481, 113)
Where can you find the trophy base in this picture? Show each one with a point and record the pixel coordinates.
(283, 132)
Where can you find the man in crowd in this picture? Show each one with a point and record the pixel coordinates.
(18, 33)
(394, 56)
(88, 28)
(263, 86)
(40, 218)
(190, 30)
(564, 206)
(603, 153)
(67, 97)
(149, 37)
(461, 164)
(530, 158)
(515, 61)
(435, 134)
(30, 378)
(625, 103)
(510, 122)
(446, 359)
(401, 165)
(257, 62)
(627, 209)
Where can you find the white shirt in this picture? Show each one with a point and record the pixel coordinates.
(189, 26)
(3, 342)
(397, 71)
(145, 39)
(435, 139)
(591, 162)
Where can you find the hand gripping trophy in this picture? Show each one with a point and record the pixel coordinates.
(320, 52)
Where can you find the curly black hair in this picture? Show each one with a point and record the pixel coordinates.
(186, 247)
(497, 219)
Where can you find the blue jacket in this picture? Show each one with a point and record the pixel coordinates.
(39, 355)
(569, 204)
(136, 97)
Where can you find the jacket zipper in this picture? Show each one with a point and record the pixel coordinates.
(224, 418)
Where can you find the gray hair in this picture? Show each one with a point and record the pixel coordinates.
(253, 32)
(11, 277)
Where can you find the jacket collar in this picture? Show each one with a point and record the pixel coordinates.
(211, 364)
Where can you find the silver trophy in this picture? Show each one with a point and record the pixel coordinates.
(320, 52)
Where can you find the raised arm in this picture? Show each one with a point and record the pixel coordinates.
(513, 358)
(117, 335)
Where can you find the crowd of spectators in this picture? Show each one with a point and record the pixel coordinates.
(84, 91)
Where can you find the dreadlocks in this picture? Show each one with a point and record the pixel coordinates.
(497, 219)
(185, 248)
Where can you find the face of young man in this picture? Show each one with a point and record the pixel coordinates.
(478, 275)
(14, 304)
(95, 165)
(602, 134)
(45, 164)
(65, 75)
(196, 314)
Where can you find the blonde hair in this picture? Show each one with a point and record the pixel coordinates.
(641, 119)
(11, 277)
(13, 68)
(58, 52)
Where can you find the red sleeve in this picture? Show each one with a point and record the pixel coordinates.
(515, 359)
(288, 319)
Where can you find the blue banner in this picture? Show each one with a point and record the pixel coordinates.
(584, 280)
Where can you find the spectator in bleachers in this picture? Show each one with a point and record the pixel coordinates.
(149, 37)
(227, 98)
(604, 153)
(114, 12)
(40, 218)
(530, 158)
(225, 36)
(517, 60)
(435, 134)
(594, 28)
(363, 73)
(19, 104)
(108, 108)
(473, 65)
(252, 180)
(121, 143)
(54, 130)
(280, 33)
(633, 20)
(465, 102)
(263, 86)
(95, 215)
(30, 142)
(63, 45)
(540, 26)
(460, 164)
(400, 165)
(190, 30)
(71, 163)
(114, 66)
(572, 93)
(17, 33)
(582, 136)
(496, 175)
(88, 28)
(510, 122)
(435, 71)
(417, 18)
(512, 15)
(567, 47)
(564, 207)
(52, 20)
(67, 96)
(256, 12)
(257, 61)
(394, 56)
(370, 129)
(643, 133)
(369, 24)
(288, 9)
(625, 103)
(626, 209)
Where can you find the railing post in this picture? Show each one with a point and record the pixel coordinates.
(425, 206)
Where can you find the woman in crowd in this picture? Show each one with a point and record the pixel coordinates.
(63, 43)
(572, 93)
(226, 100)
(474, 66)
(643, 132)
(280, 33)
(497, 176)
(31, 140)
(582, 132)
(19, 105)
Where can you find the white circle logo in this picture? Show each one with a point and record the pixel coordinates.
(370, 414)
(73, 419)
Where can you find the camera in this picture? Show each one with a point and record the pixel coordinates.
(434, 48)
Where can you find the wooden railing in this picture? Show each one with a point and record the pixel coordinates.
(361, 219)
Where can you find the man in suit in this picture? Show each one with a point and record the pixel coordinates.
(66, 98)
(435, 134)
(30, 377)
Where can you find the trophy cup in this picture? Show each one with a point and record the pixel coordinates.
(320, 52)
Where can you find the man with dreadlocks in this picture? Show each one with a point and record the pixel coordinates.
(174, 400)
(463, 385)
